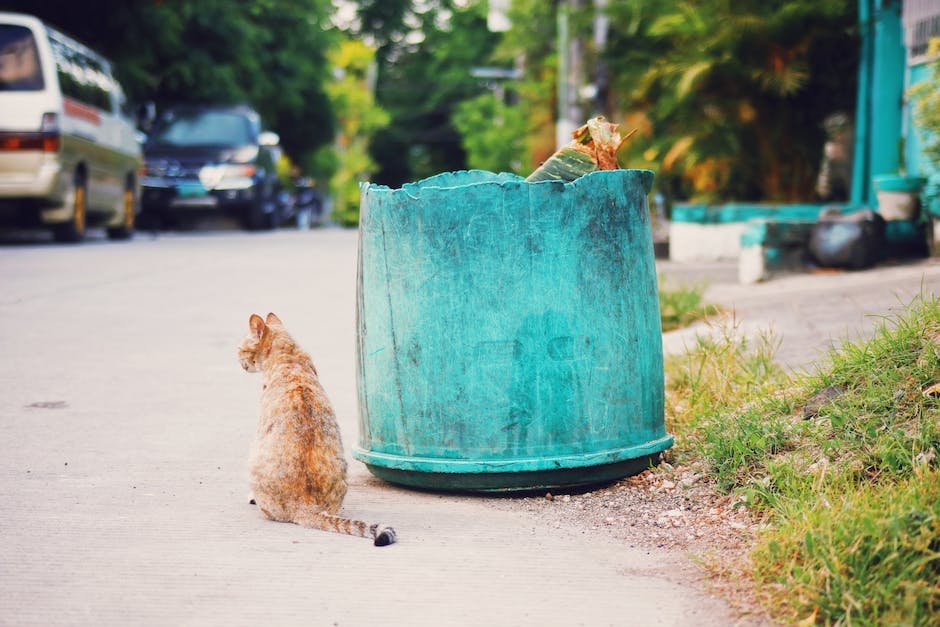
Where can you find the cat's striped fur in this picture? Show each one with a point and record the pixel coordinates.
(297, 470)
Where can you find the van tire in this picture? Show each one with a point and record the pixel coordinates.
(73, 231)
(126, 230)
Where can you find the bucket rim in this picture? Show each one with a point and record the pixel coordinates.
(476, 177)
(519, 464)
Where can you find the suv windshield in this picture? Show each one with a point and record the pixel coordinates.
(203, 128)
(19, 60)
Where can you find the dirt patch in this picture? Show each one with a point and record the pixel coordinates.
(674, 509)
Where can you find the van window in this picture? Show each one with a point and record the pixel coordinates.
(81, 77)
(20, 69)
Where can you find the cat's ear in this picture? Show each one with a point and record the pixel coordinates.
(257, 325)
(272, 319)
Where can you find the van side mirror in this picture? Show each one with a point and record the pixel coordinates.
(268, 138)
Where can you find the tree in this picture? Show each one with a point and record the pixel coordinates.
(359, 118)
(730, 96)
(531, 42)
(426, 54)
(492, 133)
(271, 54)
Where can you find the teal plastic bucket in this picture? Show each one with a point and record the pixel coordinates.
(508, 332)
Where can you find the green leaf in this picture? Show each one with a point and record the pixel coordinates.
(689, 77)
(565, 165)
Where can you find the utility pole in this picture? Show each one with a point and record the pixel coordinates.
(563, 125)
(601, 74)
(570, 52)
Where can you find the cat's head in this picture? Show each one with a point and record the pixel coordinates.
(252, 348)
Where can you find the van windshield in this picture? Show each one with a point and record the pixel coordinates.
(203, 128)
(20, 69)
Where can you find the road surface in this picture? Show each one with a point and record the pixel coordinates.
(126, 422)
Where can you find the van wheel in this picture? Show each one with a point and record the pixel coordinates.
(74, 230)
(126, 230)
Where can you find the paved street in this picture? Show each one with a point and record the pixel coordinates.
(126, 422)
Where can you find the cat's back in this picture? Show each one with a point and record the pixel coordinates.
(298, 452)
(294, 399)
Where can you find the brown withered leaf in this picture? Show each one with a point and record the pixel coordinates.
(932, 390)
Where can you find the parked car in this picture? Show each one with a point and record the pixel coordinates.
(211, 159)
(69, 156)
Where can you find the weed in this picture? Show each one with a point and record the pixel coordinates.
(851, 489)
(681, 306)
(868, 556)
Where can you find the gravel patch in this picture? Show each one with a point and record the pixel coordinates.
(672, 510)
(673, 507)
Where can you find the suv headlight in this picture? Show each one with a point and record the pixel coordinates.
(246, 154)
(227, 176)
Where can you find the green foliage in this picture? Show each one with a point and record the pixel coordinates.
(359, 118)
(531, 42)
(423, 77)
(682, 305)
(851, 493)
(492, 133)
(926, 96)
(707, 385)
(730, 97)
(271, 54)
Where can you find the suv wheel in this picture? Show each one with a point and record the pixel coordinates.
(258, 219)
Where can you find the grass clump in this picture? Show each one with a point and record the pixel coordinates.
(720, 375)
(682, 305)
(842, 462)
(870, 556)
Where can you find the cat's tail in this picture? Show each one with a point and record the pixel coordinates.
(380, 534)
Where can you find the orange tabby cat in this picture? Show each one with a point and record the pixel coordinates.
(297, 469)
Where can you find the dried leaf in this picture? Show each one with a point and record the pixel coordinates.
(593, 147)
(932, 390)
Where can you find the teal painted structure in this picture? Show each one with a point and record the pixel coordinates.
(765, 222)
(898, 183)
(702, 213)
(776, 236)
(509, 332)
(882, 120)
(878, 111)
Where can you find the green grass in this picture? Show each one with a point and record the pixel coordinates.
(852, 496)
(682, 305)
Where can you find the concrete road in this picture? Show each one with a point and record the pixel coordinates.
(126, 422)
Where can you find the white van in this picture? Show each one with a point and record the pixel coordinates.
(69, 157)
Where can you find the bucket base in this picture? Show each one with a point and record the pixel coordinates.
(524, 481)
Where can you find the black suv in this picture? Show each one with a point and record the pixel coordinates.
(210, 159)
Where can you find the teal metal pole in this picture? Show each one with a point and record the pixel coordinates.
(861, 173)
(887, 90)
